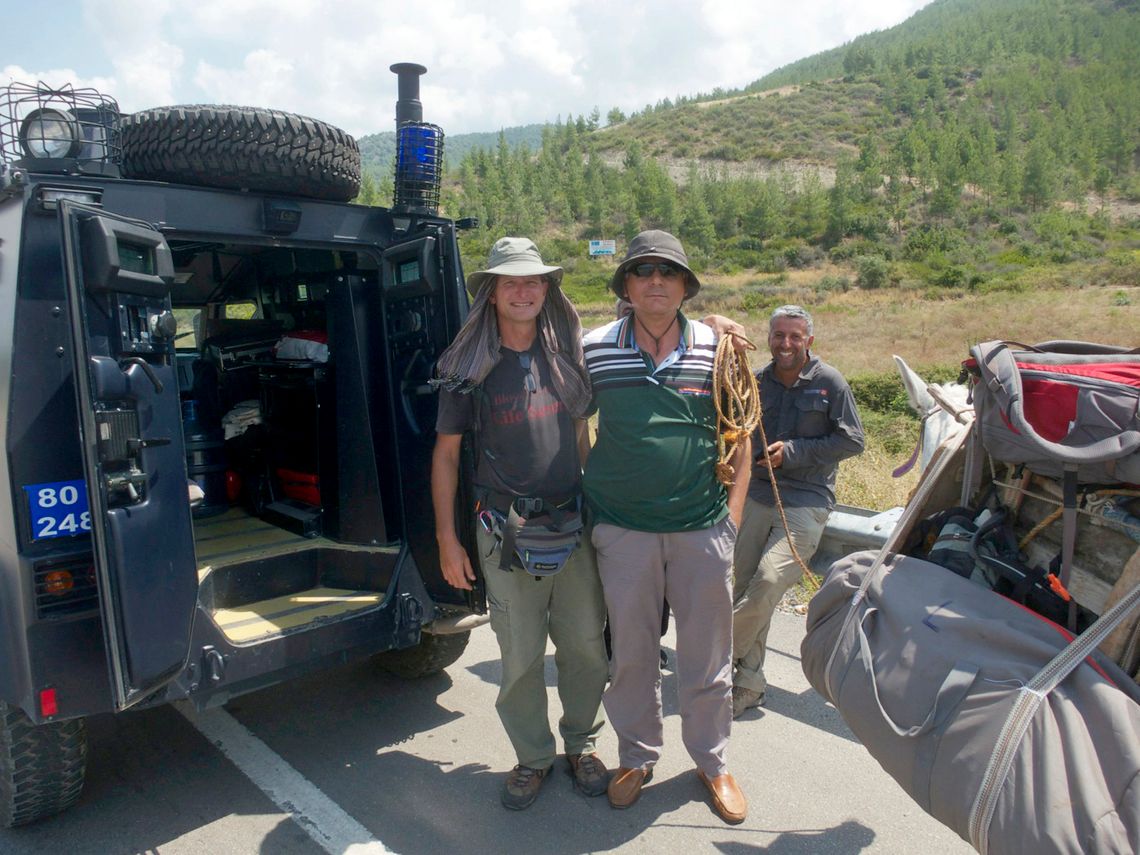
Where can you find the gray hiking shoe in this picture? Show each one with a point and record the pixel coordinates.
(589, 773)
(745, 699)
(522, 787)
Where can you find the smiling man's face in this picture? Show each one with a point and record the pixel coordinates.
(519, 299)
(788, 340)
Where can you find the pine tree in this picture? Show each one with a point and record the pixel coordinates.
(697, 228)
(1040, 182)
(869, 167)
(367, 194)
(630, 218)
(841, 202)
(1010, 174)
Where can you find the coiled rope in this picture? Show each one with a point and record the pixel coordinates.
(739, 412)
(737, 398)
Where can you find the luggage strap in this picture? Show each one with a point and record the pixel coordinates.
(1069, 536)
(1024, 709)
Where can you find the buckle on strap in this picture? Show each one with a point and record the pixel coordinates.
(528, 506)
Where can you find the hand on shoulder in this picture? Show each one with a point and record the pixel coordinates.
(723, 326)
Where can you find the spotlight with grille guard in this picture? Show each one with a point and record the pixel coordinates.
(62, 130)
(419, 148)
(50, 133)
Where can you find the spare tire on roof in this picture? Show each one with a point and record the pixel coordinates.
(241, 148)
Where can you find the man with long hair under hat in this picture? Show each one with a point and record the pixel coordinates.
(515, 378)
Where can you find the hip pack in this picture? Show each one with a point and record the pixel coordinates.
(541, 539)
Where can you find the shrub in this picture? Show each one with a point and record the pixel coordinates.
(869, 225)
(895, 433)
(1130, 188)
(772, 262)
(880, 392)
(828, 284)
(849, 249)
(930, 239)
(757, 301)
(800, 255)
(587, 287)
(871, 271)
(883, 392)
(953, 276)
(727, 151)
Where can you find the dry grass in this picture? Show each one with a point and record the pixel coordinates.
(865, 481)
(858, 331)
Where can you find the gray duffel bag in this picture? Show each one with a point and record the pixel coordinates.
(980, 709)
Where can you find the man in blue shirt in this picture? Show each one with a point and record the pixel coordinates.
(811, 423)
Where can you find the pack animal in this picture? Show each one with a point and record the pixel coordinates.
(943, 409)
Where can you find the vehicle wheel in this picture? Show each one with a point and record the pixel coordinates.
(430, 656)
(241, 148)
(41, 766)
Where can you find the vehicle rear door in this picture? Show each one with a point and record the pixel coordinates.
(119, 274)
(425, 302)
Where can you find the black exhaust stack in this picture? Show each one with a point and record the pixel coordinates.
(419, 148)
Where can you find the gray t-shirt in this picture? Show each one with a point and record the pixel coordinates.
(526, 440)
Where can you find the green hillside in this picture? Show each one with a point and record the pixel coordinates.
(967, 34)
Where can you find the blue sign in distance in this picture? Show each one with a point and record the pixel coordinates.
(58, 509)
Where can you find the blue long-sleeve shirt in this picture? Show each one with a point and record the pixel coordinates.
(817, 420)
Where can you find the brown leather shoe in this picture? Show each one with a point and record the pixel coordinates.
(728, 801)
(625, 786)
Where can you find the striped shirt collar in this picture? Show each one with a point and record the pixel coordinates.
(625, 336)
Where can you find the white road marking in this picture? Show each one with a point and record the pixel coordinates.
(321, 818)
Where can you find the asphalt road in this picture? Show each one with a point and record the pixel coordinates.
(363, 762)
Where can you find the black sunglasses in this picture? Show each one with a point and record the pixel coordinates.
(531, 383)
(665, 268)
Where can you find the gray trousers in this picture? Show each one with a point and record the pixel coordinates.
(693, 570)
(765, 569)
(525, 610)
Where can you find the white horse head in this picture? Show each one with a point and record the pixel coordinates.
(943, 409)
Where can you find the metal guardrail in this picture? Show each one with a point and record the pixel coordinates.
(851, 529)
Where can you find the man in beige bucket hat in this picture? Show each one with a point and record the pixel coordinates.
(515, 378)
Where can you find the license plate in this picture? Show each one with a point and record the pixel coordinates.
(58, 509)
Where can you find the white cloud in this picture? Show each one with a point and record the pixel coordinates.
(539, 50)
(518, 62)
(264, 79)
(150, 76)
(55, 77)
(146, 65)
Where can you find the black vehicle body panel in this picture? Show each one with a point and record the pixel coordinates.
(387, 334)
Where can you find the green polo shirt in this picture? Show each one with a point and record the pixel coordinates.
(653, 466)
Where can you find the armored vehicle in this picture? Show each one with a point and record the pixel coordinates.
(216, 420)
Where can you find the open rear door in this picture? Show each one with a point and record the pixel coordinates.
(119, 273)
(425, 301)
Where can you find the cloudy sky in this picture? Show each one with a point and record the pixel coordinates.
(490, 64)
